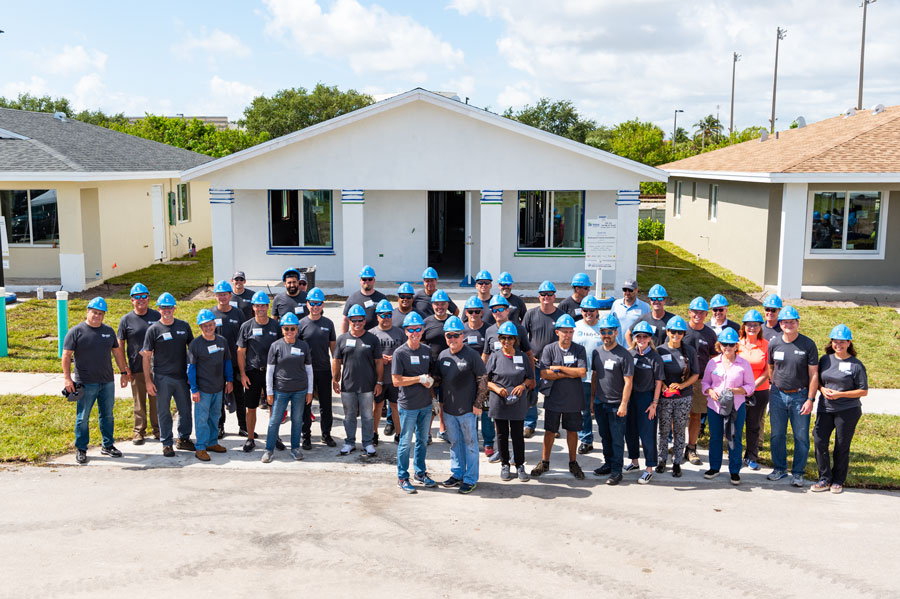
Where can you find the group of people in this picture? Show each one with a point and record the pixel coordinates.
(647, 377)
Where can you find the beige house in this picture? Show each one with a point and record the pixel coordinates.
(83, 203)
(804, 212)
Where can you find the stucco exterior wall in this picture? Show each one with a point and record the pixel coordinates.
(396, 236)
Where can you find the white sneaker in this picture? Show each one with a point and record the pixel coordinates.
(266, 457)
(347, 448)
(297, 453)
(370, 451)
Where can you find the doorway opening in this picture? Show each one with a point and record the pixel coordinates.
(447, 233)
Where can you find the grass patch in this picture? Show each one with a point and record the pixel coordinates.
(180, 281)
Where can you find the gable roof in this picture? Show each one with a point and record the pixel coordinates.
(862, 147)
(421, 95)
(40, 146)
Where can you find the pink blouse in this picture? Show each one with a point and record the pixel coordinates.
(739, 374)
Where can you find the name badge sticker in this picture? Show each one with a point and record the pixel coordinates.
(351, 343)
(298, 309)
(257, 332)
(369, 304)
(845, 366)
(473, 339)
(414, 359)
(213, 349)
(578, 311)
(218, 322)
(667, 357)
(296, 351)
(447, 363)
(497, 345)
(517, 360)
(609, 364)
(568, 359)
(778, 355)
(233, 304)
(168, 337)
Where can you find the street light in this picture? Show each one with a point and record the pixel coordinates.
(862, 53)
(780, 36)
(675, 129)
(735, 58)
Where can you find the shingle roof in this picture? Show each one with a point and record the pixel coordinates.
(862, 143)
(74, 146)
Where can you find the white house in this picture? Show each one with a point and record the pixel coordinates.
(414, 180)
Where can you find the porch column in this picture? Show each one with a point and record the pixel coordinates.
(353, 252)
(792, 241)
(491, 227)
(221, 203)
(628, 202)
(71, 238)
(468, 281)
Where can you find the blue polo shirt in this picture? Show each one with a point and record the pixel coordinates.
(628, 316)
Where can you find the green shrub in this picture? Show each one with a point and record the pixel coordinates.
(651, 230)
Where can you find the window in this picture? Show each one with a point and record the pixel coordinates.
(676, 205)
(184, 203)
(713, 202)
(30, 216)
(296, 225)
(847, 223)
(551, 220)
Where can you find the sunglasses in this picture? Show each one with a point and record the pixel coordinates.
(140, 296)
(676, 332)
(414, 330)
(506, 284)
(474, 311)
(642, 336)
(626, 290)
(357, 320)
(580, 287)
(728, 344)
(288, 328)
(657, 299)
(239, 280)
(314, 304)
(301, 282)
(482, 282)
(405, 296)
(546, 294)
(506, 338)
(588, 310)
(367, 279)
(718, 309)
(385, 314)
(607, 331)
(771, 309)
(452, 335)
(498, 309)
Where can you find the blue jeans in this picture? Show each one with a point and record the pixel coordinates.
(640, 428)
(488, 433)
(784, 408)
(167, 389)
(206, 419)
(417, 421)
(363, 404)
(463, 447)
(717, 431)
(105, 396)
(531, 416)
(586, 434)
(612, 433)
(297, 399)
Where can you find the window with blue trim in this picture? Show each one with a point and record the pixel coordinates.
(300, 224)
(551, 220)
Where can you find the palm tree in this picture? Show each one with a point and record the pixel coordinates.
(709, 127)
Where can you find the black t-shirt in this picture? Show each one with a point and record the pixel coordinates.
(841, 375)
(517, 308)
(572, 307)
(434, 335)
(241, 301)
(284, 303)
(474, 338)
(566, 395)
(257, 339)
(132, 329)
(492, 339)
(791, 361)
(390, 340)
(209, 357)
(648, 368)
(228, 325)
(368, 302)
(769, 332)
(318, 334)
(541, 328)
(487, 316)
(459, 374)
(92, 347)
(357, 356)
(508, 372)
(169, 345)
(611, 367)
(704, 343)
(290, 362)
(658, 325)
(410, 362)
(422, 304)
(675, 360)
(397, 319)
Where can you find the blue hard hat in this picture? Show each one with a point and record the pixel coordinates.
(356, 310)
(483, 275)
(366, 272)
(581, 280)
(728, 335)
(440, 296)
(290, 271)
(412, 320)
(565, 322)
(453, 325)
(699, 304)
(841, 332)
(204, 316)
(166, 300)
(505, 279)
(98, 303)
(817, 215)
(590, 302)
(429, 273)
(260, 298)
(718, 301)
(642, 327)
(752, 316)
(498, 300)
(772, 301)
(657, 292)
(508, 328)
(788, 313)
(474, 303)
(405, 289)
(289, 319)
(223, 287)
(138, 288)
(315, 295)
(609, 322)
(384, 307)
(547, 286)
(676, 323)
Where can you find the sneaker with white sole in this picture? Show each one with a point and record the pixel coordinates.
(645, 478)
(776, 474)
(495, 457)
(267, 457)
(735, 478)
(523, 476)
(797, 480)
(347, 449)
(297, 453)
(370, 451)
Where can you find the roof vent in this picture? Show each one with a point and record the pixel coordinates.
(763, 135)
(878, 108)
(60, 116)
(850, 112)
(801, 122)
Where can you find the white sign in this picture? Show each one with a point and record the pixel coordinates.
(600, 243)
(4, 243)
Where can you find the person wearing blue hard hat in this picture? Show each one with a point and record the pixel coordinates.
(423, 302)
(255, 337)
(228, 324)
(628, 309)
(130, 333)
(320, 334)
(587, 335)
(562, 366)
(165, 347)
(390, 337)
(754, 348)
(483, 295)
(727, 382)
(90, 343)
(640, 422)
(405, 297)
(540, 324)
(240, 295)
(794, 371)
(772, 305)
(293, 298)
(703, 339)
(367, 297)
(581, 286)
(434, 338)
(842, 383)
(657, 317)
(673, 413)
(209, 373)
(475, 313)
(517, 306)
(462, 376)
(718, 305)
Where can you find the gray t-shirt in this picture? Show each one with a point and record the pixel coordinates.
(572, 307)
(768, 333)
(412, 362)
(791, 361)
(658, 325)
(368, 302)
(541, 328)
(397, 320)
(169, 345)
(132, 329)
(459, 374)
(422, 304)
(92, 347)
(474, 338)
(566, 395)
(241, 301)
(228, 325)
(487, 317)
(433, 335)
(357, 356)
(209, 358)
(390, 340)
(704, 343)
(492, 339)
(284, 303)
(290, 363)
(318, 334)
(256, 339)
(517, 308)
(508, 372)
(611, 367)
(841, 375)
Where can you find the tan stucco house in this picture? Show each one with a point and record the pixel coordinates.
(804, 212)
(78, 199)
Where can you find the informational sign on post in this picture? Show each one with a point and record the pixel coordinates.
(4, 243)
(600, 248)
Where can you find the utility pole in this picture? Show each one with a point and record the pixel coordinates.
(675, 129)
(735, 58)
(862, 53)
(778, 38)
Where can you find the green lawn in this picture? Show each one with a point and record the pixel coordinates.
(180, 281)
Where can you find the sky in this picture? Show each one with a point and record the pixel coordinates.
(614, 60)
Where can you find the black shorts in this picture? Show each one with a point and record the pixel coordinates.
(571, 421)
(390, 392)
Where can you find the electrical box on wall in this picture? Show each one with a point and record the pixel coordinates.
(172, 208)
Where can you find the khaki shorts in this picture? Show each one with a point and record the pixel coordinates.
(698, 404)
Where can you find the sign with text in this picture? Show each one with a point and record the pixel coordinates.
(600, 243)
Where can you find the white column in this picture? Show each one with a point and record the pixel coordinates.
(491, 227)
(468, 281)
(627, 204)
(353, 251)
(792, 240)
(71, 239)
(221, 203)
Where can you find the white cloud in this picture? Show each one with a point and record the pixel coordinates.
(369, 38)
(73, 59)
(34, 86)
(215, 44)
(90, 92)
(463, 86)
